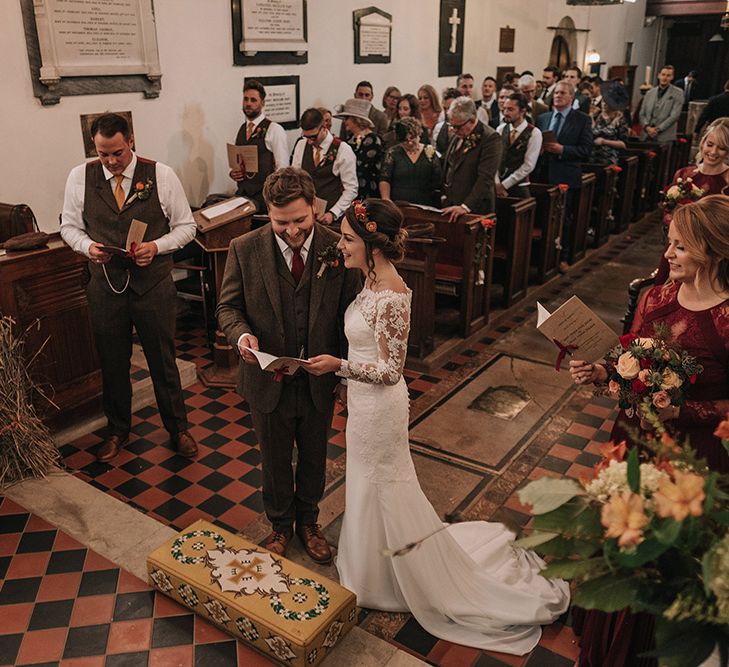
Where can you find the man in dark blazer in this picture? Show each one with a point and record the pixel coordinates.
(690, 86)
(274, 299)
(717, 107)
(470, 163)
(562, 158)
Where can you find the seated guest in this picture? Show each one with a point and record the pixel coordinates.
(411, 170)
(441, 135)
(561, 160)
(610, 129)
(367, 146)
(364, 91)
(269, 139)
(327, 115)
(330, 162)
(487, 104)
(470, 163)
(521, 143)
(717, 107)
(528, 88)
(389, 103)
(430, 108)
(464, 84)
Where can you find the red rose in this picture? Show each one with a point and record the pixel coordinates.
(638, 386)
(683, 140)
(487, 223)
(645, 363)
(692, 378)
(139, 186)
(651, 154)
(563, 187)
(617, 169)
(627, 339)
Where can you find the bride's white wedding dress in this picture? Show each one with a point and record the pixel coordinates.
(467, 584)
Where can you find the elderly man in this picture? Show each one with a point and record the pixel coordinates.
(661, 109)
(521, 143)
(470, 163)
(268, 137)
(561, 161)
(330, 162)
(103, 198)
(528, 88)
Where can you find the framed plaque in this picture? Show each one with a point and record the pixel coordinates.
(506, 40)
(269, 32)
(282, 99)
(450, 40)
(372, 35)
(78, 48)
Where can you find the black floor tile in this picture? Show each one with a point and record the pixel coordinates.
(20, 590)
(173, 485)
(215, 440)
(587, 459)
(172, 631)
(214, 407)
(215, 460)
(216, 505)
(140, 659)
(172, 509)
(249, 438)
(542, 657)
(134, 605)
(574, 441)
(102, 582)
(85, 641)
(251, 457)
(9, 647)
(56, 614)
(214, 423)
(144, 428)
(253, 478)
(13, 523)
(489, 661)
(214, 392)
(215, 481)
(66, 561)
(333, 451)
(41, 540)
(176, 463)
(140, 446)
(220, 654)
(416, 638)
(254, 501)
(601, 436)
(589, 420)
(146, 412)
(4, 564)
(555, 464)
(136, 465)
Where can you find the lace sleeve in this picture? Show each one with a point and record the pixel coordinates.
(392, 326)
(703, 412)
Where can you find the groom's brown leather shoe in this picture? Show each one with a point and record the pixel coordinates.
(315, 543)
(185, 444)
(278, 540)
(110, 447)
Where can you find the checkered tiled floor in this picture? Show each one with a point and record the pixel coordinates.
(64, 604)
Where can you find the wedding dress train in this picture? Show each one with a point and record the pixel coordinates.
(466, 584)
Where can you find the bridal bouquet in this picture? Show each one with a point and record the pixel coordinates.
(683, 191)
(649, 373)
(651, 536)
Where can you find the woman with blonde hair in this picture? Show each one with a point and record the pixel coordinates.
(430, 107)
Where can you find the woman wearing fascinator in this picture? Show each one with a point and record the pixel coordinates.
(466, 583)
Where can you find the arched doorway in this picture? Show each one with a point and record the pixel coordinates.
(559, 57)
(564, 44)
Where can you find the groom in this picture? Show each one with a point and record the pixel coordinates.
(274, 299)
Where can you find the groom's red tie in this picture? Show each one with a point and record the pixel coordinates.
(297, 265)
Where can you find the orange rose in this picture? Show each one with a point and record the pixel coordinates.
(722, 431)
(624, 518)
(661, 399)
(613, 387)
(679, 499)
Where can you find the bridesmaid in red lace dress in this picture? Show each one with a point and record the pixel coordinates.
(710, 173)
(694, 303)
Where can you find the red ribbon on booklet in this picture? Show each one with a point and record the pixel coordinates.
(278, 375)
(564, 350)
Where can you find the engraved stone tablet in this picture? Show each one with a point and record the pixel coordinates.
(273, 25)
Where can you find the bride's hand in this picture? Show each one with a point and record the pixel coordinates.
(322, 364)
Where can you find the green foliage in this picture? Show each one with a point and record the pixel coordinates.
(547, 494)
(609, 592)
(633, 470)
(576, 569)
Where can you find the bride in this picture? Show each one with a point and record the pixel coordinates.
(466, 584)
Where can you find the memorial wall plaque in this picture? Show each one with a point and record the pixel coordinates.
(372, 35)
(78, 47)
(268, 32)
(507, 36)
(282, 99)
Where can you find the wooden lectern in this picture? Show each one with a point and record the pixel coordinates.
(214, 237)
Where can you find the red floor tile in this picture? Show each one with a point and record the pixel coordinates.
(128, 583)
(194, 494)
(14, 617)
(247, 657)
(232, 414)
(151, 498)
(95, 561)
(459, 656)
(560, 639)
(59, 587)
(563, 452)
(36, 523)
(238, 517)
(578, 472)
(91, 661)
(235, 469)
(9, 543)
(130, 636)
(28, 565)
(206, 633)
(233, 431)
(582, 430)
(42, 646)
(10, 507)
(171, 657)
(164, 606)
(64, 542)
(236, 491)
(92, 610)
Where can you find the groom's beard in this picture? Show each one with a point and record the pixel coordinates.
(298, 242)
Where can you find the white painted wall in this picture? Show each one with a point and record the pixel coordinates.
(198, 110)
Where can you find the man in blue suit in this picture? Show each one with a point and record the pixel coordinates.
(562, 157)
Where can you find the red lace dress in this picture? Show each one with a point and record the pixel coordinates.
(614, 640)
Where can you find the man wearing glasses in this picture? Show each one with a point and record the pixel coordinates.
(470, 163)
(330, 162)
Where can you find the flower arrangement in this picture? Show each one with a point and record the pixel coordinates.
(429, 152)
(649, 373)
(683, 191)
(648, 535)
(472, 140)
(329, 258)
(142, 190)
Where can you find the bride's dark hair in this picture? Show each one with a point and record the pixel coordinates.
(378, 222)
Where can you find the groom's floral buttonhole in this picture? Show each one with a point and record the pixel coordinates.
(142, 190)
(329, 258)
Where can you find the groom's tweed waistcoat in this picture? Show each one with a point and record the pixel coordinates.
(105, 223)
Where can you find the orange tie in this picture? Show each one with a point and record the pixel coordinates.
(249, 130)
(512, 136)
(317, 156)
(119, 192)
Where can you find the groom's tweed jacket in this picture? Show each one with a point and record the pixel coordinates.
(258, 295)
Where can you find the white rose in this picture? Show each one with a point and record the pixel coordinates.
(628, 366)
(670, 380)
(674, 192)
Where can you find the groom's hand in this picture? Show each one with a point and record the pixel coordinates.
(246, 343)
(322, 364)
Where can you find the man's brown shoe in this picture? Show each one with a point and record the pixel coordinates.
(278, 540)
(185, 444)
(110, 447)
(315, 543)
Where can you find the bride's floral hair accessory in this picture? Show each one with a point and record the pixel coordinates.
(360, 212)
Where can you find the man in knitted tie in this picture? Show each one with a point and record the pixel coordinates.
(102, 198)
